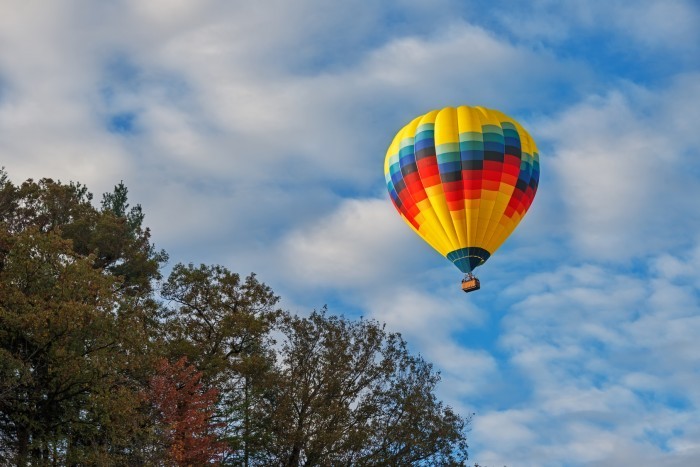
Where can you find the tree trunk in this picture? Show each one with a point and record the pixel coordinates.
(246, 422)
(22, 446)
(294, 457)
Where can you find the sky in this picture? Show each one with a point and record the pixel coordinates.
(253, 134)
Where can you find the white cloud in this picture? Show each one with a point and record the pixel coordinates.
(626, 167)
(608, 359)
(362, 243)
(509, 427)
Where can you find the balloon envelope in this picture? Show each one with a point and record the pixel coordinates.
(463, 178)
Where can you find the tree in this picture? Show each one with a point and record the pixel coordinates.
(72, 278)
(114, 234)
(64, 365)
(222, 324)
(184, 409)
(349, 393)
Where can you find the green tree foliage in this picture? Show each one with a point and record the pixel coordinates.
(222, 323)
(115, 236)
(72, 279)
(63, 376)
(348, 393)
(216, 318)
(87, 331)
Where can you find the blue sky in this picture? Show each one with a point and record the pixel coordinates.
(253, 133)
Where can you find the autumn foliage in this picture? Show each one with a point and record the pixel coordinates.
(185, 409)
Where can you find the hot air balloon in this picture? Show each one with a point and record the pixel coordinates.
(463, 178)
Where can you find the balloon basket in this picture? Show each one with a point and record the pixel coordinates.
(470, 284)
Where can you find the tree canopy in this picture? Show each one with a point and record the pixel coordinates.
(105, 362)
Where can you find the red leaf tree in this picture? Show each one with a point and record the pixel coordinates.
(184, 409)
